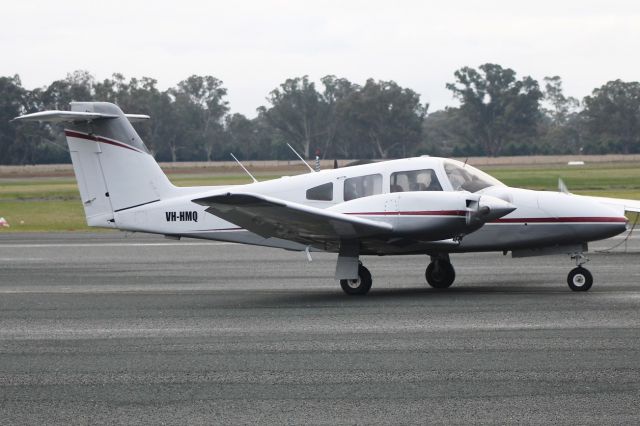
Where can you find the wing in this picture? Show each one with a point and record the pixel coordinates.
(274, 218)
(627, 205)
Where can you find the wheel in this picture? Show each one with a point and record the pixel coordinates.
(580, 279)
(440, 274)
(360, 285)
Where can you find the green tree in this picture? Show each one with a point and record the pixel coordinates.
(242, 136)
(202, 99)
(297, 113)
(383, 120)
(498, 108)
(111, 89)
(77, 86)
(12, 104)
(180, 129)
(442, 136)
(334, 98)
(561, 106)
(612, 116)
(560, 128)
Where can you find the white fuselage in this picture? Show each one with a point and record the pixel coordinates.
(387, 193)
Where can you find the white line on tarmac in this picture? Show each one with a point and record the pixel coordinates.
(62, 245)
(178, 243)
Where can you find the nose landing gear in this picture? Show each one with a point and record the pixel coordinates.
(579, 279)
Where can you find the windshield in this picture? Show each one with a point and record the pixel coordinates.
(468, 178)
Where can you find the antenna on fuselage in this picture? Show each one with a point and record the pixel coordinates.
(243, 168)
(301, 159)
(562, 187)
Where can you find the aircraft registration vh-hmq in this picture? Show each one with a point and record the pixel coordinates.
(425, 205)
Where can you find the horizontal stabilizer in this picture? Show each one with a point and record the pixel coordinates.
(55, 116)
(274, 218)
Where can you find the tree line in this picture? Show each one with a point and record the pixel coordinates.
(498, 114)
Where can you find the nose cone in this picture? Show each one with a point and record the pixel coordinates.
(492, 208)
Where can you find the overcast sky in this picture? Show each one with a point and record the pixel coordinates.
(253, 46)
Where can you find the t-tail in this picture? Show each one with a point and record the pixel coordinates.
(113, 167)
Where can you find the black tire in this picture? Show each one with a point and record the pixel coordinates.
(440, 274)
(580, 279)
(359, 286)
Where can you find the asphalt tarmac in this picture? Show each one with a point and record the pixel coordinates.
(116, 328)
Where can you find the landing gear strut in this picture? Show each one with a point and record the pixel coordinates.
(440, 272)
(360, 285)
(579, 279)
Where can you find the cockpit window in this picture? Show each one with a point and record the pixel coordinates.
(468, 178)
(414, 180)
(322, 192)
(362, 186)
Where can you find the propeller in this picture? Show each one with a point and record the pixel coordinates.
(475, 211)
(472, 207)
(482, 209)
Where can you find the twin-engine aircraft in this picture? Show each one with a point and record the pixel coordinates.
(424, 205)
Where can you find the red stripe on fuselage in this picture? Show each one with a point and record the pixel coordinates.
(79, 135)
(586, 219)
(413, 213)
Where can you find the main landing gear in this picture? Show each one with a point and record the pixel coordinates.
(360, 285)
(579, 279)
(440, 272)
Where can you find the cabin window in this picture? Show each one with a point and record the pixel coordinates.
(415, 180)
(322, 192)
(362, 186)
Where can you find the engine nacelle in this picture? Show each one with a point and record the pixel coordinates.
(429, 215)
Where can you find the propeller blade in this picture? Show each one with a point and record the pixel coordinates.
(472, 210)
